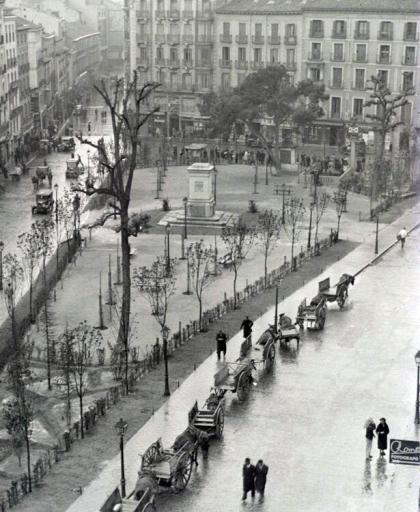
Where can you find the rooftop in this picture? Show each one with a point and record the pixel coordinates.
(22, 23)
(299, 6)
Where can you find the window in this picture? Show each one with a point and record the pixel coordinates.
(337, 77)
(226, 29)
(174, 81)
(338, 53)
(143, 53)
(186, 81)
(160, 55)
(410, 31)
(258, 30)
(242, 29)
(204, 80)
(173, 54)
(384, 54)
(290, 56)
(407, 80)
(274, 55)
(241, 78)
(361, 53)
(204, 54)
(406, 113)
(385, 31)
(383, 77)
(335, 107)
(242, 54)
(188, 55)
(339, 28)
(359, 78)
(290, 30)
(317, 28)
(225, 80)
(316, 51)
(362, 30)
(225, 53)
(274, 30)
(257, 55)
(314, 74)
(410, 55)
(357, 107)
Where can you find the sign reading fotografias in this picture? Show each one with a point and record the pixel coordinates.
(404, 452)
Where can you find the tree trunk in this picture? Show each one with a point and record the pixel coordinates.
(200, 312)
(338, 227)
(292, 250)
(124, 328)
(28, 458)
(277, 149)
(265, 266)
(31, 313)
(235, 277)
(82, 428)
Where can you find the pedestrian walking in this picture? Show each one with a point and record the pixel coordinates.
(221, 339)
(248, 477)
(370, 434)
(89, 128)
(261, 471)
(382, 430)
(402, 235)
(247, 326)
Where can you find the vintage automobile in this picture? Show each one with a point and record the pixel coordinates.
(74, 168)
(44, 201)
(66, 144)
(44, 146)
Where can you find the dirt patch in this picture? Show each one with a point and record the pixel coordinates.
(86, 460)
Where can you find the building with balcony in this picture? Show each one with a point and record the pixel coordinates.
(12, 90)
(171, 42)
(22, 29)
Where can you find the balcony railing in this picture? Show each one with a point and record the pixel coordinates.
(173, 14)
(160, 62)
(204, 15)
(335, 115)
(408, 60)
(385, 35)
(274, 40)
(187, 63)
(173, 38)
(383, 59)
(241, 64)
(315, 56)
(173, 63)
(407, 87)
(290, 40)
(360, 58)
(160, 14)
(257, 64)
(187, 38)
(291, 66)
(226, 38)
(361, 35)
(142, 15)
(337, 57)
(205, 39)
(225, 63)
(160, 38)
(316, 33)
(339, 34)
(187, 15)
(142, 38)
(142, 63)
(336, 84)
(203, 64)
(258, 39)
(241, 39)
(408, 36)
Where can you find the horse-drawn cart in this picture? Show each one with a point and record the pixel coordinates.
(341, 292)
(287, 331)
(313, 315)
(210, 418)
(146, 503)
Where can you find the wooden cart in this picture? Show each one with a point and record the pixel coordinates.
(263, 351)
(287, 331)
(340, 293)
(210, 418)
(144, 504)
(313, 315)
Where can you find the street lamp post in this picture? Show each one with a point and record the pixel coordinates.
(256, 177)
(185, 201)
(310, 226)
(165, 333)
(284, 190)
(188, 290)
(56, 222)
(1, 265)
(88, 163)
(168, 255)
(417, 418)
(121, 429)
(377, 235)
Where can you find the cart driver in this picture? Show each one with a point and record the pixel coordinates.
(285, 321)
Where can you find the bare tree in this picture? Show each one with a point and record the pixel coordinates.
(13, 277)
(124, 102)
(339, 199)
(83, 342)
(201, 259)
(29, 245)
(321, 203)
(65, 214)
(269, 229)
(387, 105)
(157, 283)
(65, 348)
(238, 239)
(44, 234)
(295, 213)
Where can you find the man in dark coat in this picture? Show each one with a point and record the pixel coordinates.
(382, 430)
(221, 339)
(248, 476)
(247, 326)
(261, 471)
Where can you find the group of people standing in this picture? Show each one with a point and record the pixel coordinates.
(382, 431)
(254, 478)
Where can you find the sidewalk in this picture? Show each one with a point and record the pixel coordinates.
(171, 418)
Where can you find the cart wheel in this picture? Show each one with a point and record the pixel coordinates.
(342, 298)
(220, 423)
(149, 507)
(244, 383)
(269, 359)
(149, 456)
(182, 472)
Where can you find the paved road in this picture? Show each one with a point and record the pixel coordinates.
(306, 420)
